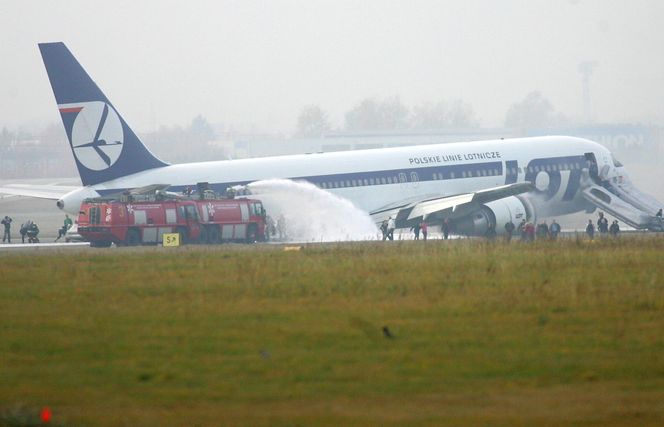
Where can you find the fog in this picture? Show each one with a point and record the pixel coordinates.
(253, 65)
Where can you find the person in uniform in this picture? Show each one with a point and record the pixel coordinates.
(7, 222)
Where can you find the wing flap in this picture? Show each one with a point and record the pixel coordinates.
(406, 214)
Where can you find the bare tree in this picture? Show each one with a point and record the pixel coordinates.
(370, 114)
(533, 111)
(313, 121)
(177, 144)
(439, 115)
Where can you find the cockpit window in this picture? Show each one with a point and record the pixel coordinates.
(616, 163)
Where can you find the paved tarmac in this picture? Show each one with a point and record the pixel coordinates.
(43, 212)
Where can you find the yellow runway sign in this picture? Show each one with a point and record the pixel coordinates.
(171, 239)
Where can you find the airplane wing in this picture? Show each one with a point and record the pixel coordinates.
(412, 211)
(52, 192)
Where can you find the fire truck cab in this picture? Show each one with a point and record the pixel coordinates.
(134, 219)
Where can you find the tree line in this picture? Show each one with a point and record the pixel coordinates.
(391, 114)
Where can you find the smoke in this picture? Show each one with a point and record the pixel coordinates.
(310, 214)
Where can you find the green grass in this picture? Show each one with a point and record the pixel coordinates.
(564, 333)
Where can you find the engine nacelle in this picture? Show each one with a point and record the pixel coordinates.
(496, 213)
(71, 202)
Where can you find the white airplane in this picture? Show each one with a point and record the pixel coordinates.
(475, 185)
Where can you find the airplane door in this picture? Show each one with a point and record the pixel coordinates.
(593, 170)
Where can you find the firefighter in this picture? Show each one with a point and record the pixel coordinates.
(33, 233)
(24, 230)
(7, 222)
(65, 226)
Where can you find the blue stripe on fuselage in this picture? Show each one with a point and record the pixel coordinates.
(406, 175)
(363, 179)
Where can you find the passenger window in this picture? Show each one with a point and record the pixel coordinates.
(452, 175)
(414, 177)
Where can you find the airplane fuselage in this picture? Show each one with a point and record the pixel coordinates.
(372, 179)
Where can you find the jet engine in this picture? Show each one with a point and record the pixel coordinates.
(71, 202)
(497, 214)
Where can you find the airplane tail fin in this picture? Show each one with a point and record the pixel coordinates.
(104, 146)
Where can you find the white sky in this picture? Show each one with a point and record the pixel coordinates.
(257, 63)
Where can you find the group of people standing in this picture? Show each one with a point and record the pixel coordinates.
(528, 231)
(387, 229)
(388, 226)
(603, 227)
(30, 230)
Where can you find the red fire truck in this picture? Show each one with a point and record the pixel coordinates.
(136, 218)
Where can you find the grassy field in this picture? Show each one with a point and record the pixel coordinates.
(548, 334)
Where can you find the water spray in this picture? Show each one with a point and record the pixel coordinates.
(307, 213)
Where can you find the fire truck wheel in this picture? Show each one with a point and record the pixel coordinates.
(203, 236)
(102, 244)
(213, 235)
(252, 233)
(184, 239)
(133, 238)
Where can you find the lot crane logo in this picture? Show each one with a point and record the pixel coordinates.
(97, 136)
